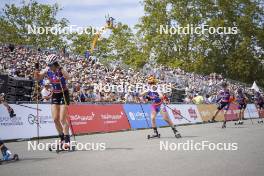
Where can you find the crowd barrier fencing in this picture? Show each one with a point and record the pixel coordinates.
(93, 118)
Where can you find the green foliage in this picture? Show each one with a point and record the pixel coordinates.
(237, 56)
(80, 42)
(16, 19)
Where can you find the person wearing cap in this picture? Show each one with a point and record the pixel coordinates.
(198, 99)
(46, 92)
(60, 96)
(158, 105)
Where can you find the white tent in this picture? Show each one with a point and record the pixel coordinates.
(255, 87)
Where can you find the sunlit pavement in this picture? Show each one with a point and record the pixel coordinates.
(131, 153)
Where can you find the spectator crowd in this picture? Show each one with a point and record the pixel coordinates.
(18, 61)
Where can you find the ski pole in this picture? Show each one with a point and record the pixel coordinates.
(176, 112)
(37, 91)
(144, 114)
(29, 107)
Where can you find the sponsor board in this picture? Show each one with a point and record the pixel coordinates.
(24, 124)
(139, 116)
(179, 112)
(232, 112)
(207, 112)
(97, 118)
(251, 112)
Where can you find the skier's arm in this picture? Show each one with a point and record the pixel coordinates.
(66, 75)
(39, 75)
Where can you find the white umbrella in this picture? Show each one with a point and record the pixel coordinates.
(255, 87)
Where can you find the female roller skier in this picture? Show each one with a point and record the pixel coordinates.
(223, 102)
(259, 101)
(241, 101)
(158, 100)
(60, 96)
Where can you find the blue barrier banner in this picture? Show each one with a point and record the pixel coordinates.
(136, 117)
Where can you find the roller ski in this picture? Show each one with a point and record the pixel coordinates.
(155, 135)
(240, 122)
(56, 147)
(260, 121)
(212, 120)
(176, 133)
(12, 113)
(62, 145)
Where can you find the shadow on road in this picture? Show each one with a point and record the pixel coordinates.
(25, 159)
(172, 137)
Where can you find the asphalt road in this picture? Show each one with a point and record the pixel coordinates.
(130, 153)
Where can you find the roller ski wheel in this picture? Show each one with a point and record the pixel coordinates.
(239, 123)
(60, 148)
(55, 148)
(66, 148)
(178, 135)
(12, 114)
(15, 157)
(260, 121)
(212, 121)
(73, 148)
(153, 136)
(52, 148)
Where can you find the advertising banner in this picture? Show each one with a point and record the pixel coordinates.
(137, 115)
(251, 112)
(24, 124)
(106, 118)
(178, 111)
(207, 112)
(232, 113)
(137, 118)
(98, 118)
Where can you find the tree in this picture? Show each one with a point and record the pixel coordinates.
(237, 56)
(16, 21)
(123, 46)
(80, 43)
